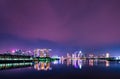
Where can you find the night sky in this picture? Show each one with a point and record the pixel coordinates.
(60, 24)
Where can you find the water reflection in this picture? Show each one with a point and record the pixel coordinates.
(4, 66)
(78, 63)
(56, 62)
(91, 62)
(42, 66)
(47, 65)
(84, 69)
(107, 63)
(68, 62)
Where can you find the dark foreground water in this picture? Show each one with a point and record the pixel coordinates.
(76, 69)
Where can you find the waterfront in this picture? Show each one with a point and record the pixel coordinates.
(87, 69)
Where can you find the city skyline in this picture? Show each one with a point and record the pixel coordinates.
(59, 39)
(63, 25)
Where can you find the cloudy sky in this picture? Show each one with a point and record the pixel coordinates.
(81, 23)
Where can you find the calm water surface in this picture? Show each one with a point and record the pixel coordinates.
(75, 69)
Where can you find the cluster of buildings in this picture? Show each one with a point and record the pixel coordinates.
(34, 53)
(75, 55)
(80, 55)
(25, 55)
(42, 52)
(46, 53)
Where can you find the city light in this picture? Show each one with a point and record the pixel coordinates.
(107, 55)
(117, 58)
(55, 56)
(13, 51)
(55, 62)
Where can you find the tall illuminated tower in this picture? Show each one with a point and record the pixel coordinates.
(41, 52)
(107, 55)
(80, 54)
(36, 52)
(68, 55)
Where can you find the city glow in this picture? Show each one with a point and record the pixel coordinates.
(55, 56)
(55, 62)
(107, 55)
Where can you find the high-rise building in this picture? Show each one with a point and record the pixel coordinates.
(80, 55)
(73, 56)
(68, 55)
(41, 52)
(36, 52)
(107, 55)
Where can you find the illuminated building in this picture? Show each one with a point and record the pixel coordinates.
(36, 52)
(107, 55)
(18, 52)
(80, 55)
(56, 57)
(91, 56)
(68, 55)
(42, 52)
(73, 56)
(13, 51)
(117, 58)
(46, 52)
(62, 60)
(27, 53)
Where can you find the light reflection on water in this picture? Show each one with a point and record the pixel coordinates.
(67, 69)
(4, 66)
(47, 65)
(79, 63)
(42, 66)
